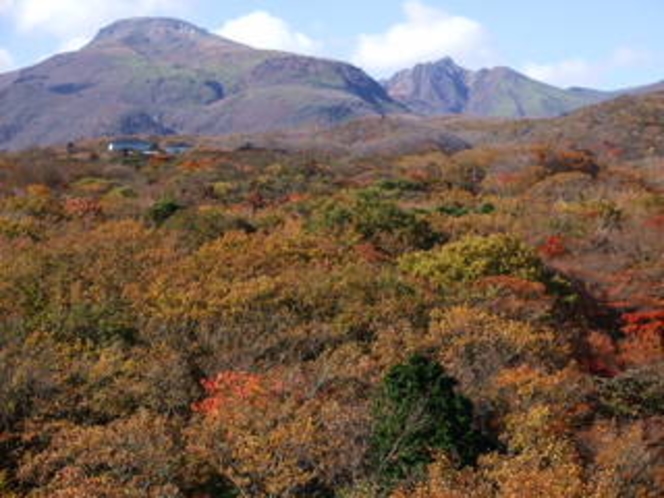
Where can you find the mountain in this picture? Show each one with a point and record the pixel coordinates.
(629, 127)
(157, 76)
(427, 87)
(164, 76)
(443, 87)
(640, 90)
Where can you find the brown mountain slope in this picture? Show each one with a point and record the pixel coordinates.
(163, 76)
(630, 127)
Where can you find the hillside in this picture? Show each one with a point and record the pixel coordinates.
(355, 311)
(162, 76)
(624, 129)
(443, 87)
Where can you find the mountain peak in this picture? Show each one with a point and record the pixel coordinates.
(147, 26)
(446, 61)
(443, 87)
(439, 83)
(444, 64)
(143, 31)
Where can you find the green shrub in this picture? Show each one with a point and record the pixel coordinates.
(223, 190)
(635, 393)
(400, 185)
(416, 413)
(161, 210)
(376, 220)
(454, 210)
(201, 225)
(474, 257)
(121, 192)
(13, 228)
(486, 208)
(92, 185)
(331, 215)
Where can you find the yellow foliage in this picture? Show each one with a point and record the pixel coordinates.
(445, 481)
(475, 344)
(278, 438)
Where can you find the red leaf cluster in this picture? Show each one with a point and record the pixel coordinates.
(553, 247)
(231, 387)
(644, 322)
(656, 222)
(645, 337)
(80, 207)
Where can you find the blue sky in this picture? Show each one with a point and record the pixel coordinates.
(599, 43)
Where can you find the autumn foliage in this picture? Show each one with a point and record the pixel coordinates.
(273, 322)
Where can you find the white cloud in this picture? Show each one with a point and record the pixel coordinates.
(628, 57)
(582, 72)
(570, 72)
(261, 29)
(75, 19)
(74, 44)
(426, 34)
(6, 5)
(6, 61)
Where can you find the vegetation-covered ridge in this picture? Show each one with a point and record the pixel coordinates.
(256, 322)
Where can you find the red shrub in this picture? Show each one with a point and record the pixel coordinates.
(553, 247)
(644, 322)
(232, 387)
(656, 222)
(80, 208)
(645, 337)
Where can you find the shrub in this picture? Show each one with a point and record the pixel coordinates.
(474, 257)
(13, 228)
(417, 412)
(204, 224)
(136, 456)
(400, 185)
(376, 220)
(457, 210)
(39, 202)
(553, 247)
(475, 345)
(454, 210)
(560, 161)
(161, 210)
(267, 436)
(121, 192)
(93, 186)
(636, 393)
(79, 207)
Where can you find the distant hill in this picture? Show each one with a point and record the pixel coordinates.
(628, 127)
(640, 90)
(156, 76)
(164, 76)
(443, 87)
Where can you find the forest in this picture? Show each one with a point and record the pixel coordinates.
(273, 322)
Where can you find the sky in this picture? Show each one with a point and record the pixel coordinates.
(605, 44)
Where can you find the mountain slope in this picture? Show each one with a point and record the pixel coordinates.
(625, 129)
(445, 88)
(429, 87)
(629, 127)
(640, 90)
(162, 76)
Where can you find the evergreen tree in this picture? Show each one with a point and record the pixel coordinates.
(417, 412)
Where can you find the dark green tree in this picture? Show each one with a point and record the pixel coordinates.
(161, 210)
(416, 413)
